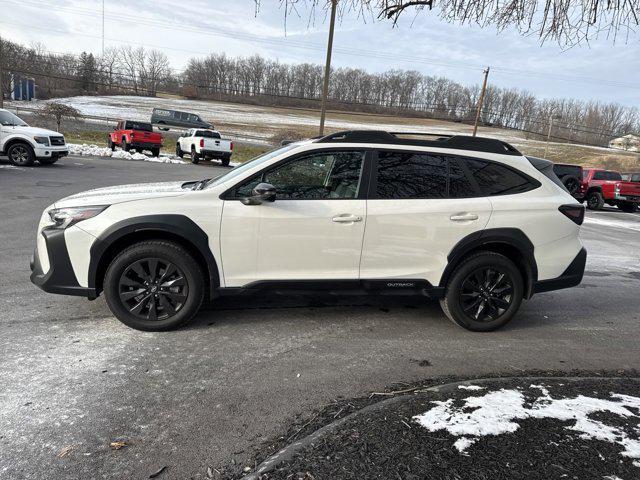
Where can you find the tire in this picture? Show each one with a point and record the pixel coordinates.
(171, 308)
(48, 160)
(628, 207)
(155, 152)
(111, 145)
(571, 183)
(195, 158)
(595, 200)
(21, 154)
(179, 152)
(125, 145)
(476, 277)
(225, 161)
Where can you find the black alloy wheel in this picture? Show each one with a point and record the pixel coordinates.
(486, 294)
(153, 289)
(21, 154)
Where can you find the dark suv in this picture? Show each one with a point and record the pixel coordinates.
(175, 118)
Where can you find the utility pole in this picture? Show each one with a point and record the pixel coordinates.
(327, 67)
(551, 119)
(103, 29)
(1, 75)
(481, 101)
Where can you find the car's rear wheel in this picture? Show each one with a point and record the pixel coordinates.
(484, 292)
(225, 161)
(628, 207)
(195, 158)
(154, 286)
(595, 201)
(179, 152)
(21, 154)
(155, 152)
(571, 183)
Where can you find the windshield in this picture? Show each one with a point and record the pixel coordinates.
(248, 165)
(8, 119)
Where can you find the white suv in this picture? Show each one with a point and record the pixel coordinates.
(469, 221)
(24, 144)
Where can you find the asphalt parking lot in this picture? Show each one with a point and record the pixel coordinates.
(73, 379)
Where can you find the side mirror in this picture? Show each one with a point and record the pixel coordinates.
(263, 192)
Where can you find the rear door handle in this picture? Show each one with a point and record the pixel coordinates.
(463, 217)
(346, 218)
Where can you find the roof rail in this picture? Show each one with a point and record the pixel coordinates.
(460, 142)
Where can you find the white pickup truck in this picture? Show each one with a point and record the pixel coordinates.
(204, 144)
(24, 144)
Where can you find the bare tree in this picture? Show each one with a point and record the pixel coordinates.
(57, 111)
(568, 22)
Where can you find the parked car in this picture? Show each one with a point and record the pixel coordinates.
(204, 144)
(605, 186)
(134, 135)
(466, 220)
(571, 178)
(174, 118)
(24, 144)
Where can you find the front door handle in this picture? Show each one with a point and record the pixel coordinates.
(346, 218)
(463, 217)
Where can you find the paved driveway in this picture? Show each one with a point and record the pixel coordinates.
(72, 376)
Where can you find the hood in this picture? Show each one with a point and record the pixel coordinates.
(35, 131)
(124, 193)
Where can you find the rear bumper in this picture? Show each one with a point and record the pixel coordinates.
(60, 277)
(215, 154)
(571, 277)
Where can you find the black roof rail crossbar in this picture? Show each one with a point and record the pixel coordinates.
(460, 142)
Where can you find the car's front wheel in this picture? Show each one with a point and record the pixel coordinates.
(154, 286)
(628, 207)
(21, 154)
(595, 201)
(484, 292)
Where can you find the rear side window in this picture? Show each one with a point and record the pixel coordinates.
(635, 177)
(411, 175)
(497, 179)
(606, 175)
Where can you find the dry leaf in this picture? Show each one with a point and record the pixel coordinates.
(65, 451)
(118, 445)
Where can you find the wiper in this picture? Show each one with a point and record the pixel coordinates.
(200, 185)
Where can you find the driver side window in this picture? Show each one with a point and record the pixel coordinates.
(324, 175)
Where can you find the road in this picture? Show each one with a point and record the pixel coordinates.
(73, 379)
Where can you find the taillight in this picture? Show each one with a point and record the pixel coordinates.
(202, 143)
(231, 146)
(575, 213)
(131, 136)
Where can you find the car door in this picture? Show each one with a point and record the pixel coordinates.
(421, 204)
(312, 231)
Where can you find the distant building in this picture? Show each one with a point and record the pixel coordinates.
(22, 88)
(630, 142)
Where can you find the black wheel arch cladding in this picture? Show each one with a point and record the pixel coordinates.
(178, 228)
(507, 241)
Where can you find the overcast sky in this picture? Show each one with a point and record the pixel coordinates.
(603, 71)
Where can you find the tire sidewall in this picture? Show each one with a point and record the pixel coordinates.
(488, 259)
(599, 201)
(166, 251)
(31, 156)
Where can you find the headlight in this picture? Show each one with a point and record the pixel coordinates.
(42, 140)
(65, 217)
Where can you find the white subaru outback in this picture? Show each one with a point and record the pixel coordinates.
(469, 221)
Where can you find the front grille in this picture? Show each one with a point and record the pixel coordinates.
(57, 140)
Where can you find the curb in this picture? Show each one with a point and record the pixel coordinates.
(290, 450)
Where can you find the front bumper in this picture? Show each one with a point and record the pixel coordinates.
(59, 278)
(52, 151)
(571, 277)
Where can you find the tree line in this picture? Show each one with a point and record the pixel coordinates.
(257, 80)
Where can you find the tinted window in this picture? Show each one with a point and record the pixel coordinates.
(411, 175)
(145, 127)
(207, 134)
(459, 184)
(326, 175)
(496, 179)
(635, 177)
(606, 175)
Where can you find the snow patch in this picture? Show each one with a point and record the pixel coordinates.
(470, 387)
(96, 151)
(463, 443)
(497, 412)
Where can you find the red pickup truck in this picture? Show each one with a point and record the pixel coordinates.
(139, 136)
(606, 186)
